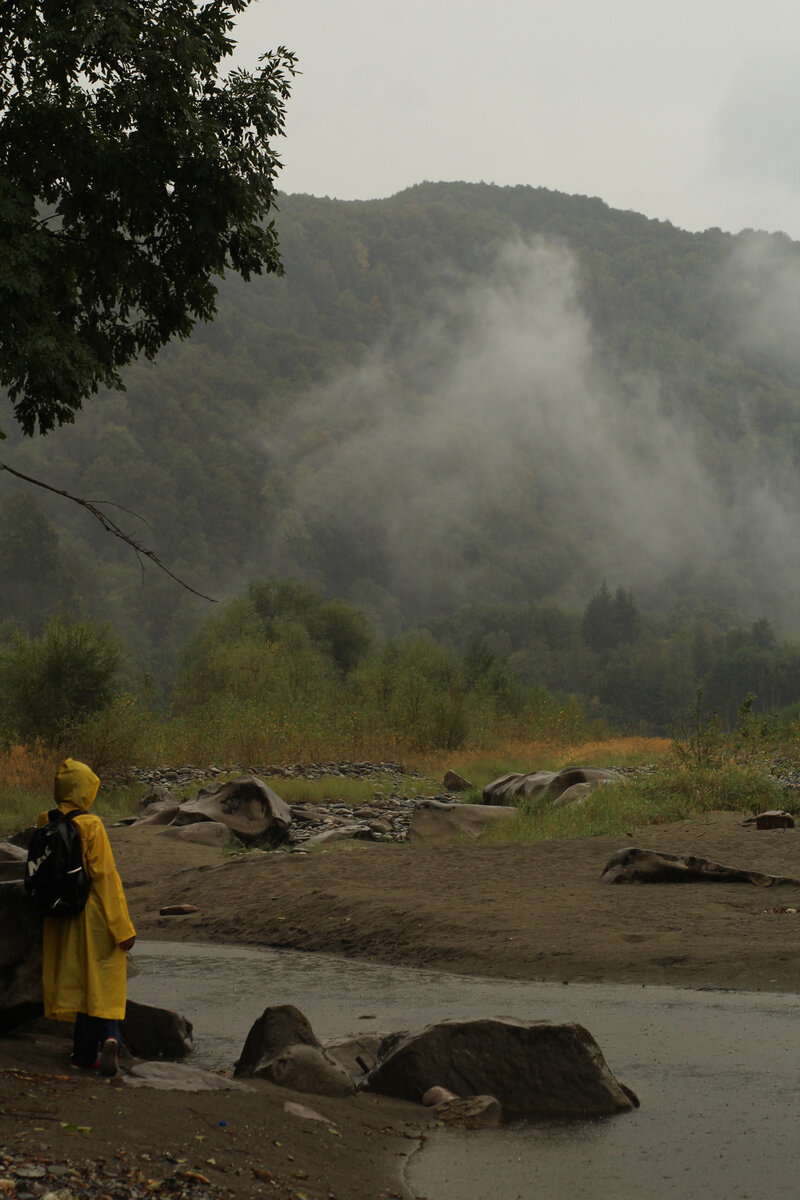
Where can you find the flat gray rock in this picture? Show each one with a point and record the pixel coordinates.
(436, 821)
(9, 852)
(306, 1069)
(178, 1077)
(203, 833)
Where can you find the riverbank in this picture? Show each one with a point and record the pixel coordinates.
(534, 911)
(526, 911)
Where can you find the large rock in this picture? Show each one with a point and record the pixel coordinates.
(279, 1026)
(178, 1077)
(356, 1054)
(162, 813)
(282, 1047)
(307, 1069)
(246, 806)
(151, 1032)
(10, 852)
(454, 782)
(633, 865)
(437, 821)
(533, 1068)
(204, 833)
(547, 786)
(20, 956)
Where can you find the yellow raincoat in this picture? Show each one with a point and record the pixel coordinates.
(83, 968)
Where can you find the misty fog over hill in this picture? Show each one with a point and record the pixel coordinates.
(461, 396)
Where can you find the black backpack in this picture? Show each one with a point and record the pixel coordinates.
(55, 877)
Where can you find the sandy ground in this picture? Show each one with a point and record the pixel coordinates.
(534, 911)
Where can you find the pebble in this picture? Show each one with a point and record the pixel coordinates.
(92, 1180)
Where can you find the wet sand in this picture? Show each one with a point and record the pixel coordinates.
(535, 911)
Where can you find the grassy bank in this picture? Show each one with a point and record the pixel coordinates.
(671, 793)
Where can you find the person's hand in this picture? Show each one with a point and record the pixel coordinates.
(127, 945)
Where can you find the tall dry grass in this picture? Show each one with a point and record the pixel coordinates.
(26, 785)
(29, 768)
(523, 755)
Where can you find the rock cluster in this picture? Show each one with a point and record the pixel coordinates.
(568, 786)
(226, 810)
(384, 820)
(90, 1178)
(249, 810)
(472, 1072)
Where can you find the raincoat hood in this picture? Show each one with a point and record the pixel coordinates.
(75, 785)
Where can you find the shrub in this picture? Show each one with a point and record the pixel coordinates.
(51, 684)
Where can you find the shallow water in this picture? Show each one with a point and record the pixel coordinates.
(716, 1072)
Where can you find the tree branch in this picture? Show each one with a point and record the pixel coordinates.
(110, 527)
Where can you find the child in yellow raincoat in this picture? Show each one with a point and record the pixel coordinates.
(83, 957)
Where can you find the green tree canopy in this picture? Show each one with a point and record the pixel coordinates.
(131, 174)
(49, 684)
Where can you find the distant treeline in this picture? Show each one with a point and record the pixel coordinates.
(281, 673)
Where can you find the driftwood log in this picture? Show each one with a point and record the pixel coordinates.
(634, 865)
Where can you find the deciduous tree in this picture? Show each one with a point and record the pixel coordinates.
(132, 174)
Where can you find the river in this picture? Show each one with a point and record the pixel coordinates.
(717, 1073)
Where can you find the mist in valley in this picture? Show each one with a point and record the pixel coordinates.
(435, 473)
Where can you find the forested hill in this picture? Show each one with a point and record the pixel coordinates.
(464, 395)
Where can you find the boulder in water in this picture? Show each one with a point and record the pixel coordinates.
(533, 1068)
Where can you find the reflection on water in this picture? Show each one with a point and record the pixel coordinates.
(717, 1072)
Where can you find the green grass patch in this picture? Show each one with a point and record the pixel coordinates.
(20, 807)
(331, 789)
(667, 795)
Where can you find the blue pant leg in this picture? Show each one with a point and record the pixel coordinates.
(108, 1029)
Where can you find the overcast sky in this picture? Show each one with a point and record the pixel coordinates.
(688, 111)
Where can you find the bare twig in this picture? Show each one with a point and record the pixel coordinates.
(110, 527)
